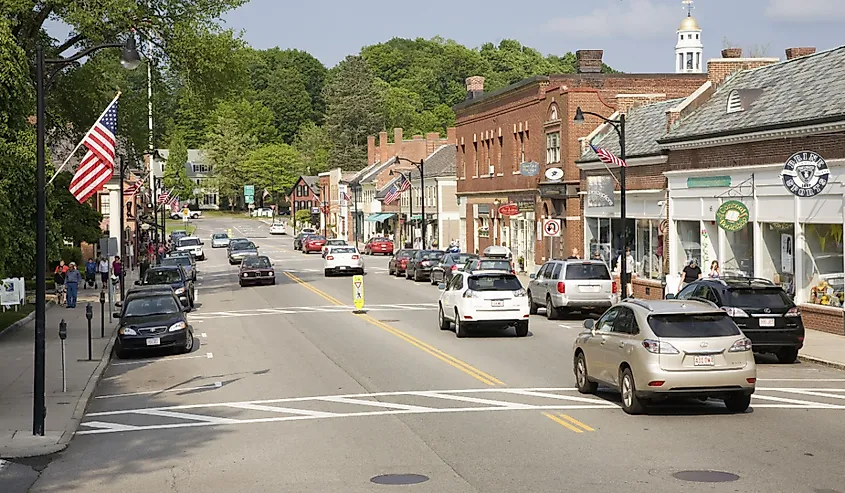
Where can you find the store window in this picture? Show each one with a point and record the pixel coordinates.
(553, 148)
(777, 262)
(739, 252)
(598, 238)
(823, 264)
(648, 252)
(105, 205)
(689, 242)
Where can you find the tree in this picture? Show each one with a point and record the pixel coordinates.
(78, 222)
(313, 144)
(312, 72)
(175, 173)
(287, 97)
(303, 216)
(273, 167)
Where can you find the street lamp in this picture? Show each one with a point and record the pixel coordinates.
(619, 126)
(421, 168)
(325, 219)
(410, 203)
(130, 59)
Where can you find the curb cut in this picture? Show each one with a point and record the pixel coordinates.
(820, 361)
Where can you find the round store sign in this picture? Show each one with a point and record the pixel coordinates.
(732, 215)
(805, 174)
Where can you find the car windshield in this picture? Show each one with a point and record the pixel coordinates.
(432, 255)
(343, 250)
(586, 272)
(494, 265)
(183, 261)
(757, 298)
(162, 276)
(221, 235)
(507, 282)
(146, 306)
(256, 262)
(248, 245)
(688, 326)
(336, 242)
(404, 253)
(189, 242)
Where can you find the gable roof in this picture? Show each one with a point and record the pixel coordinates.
(441, 162)
(313, 183)
(386, 188)
(802, 91)
(369, 172)
(643, 126)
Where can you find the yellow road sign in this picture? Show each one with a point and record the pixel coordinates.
(229, 232)
(358, 292)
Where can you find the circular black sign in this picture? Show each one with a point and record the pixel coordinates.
(805, 174)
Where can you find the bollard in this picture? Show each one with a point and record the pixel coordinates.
(89, 314)
(102, 313)
(63, 336)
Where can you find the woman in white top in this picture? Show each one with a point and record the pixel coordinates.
(715, 272)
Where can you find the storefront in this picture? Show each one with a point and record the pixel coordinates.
(520, 234)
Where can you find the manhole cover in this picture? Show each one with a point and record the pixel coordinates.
(706, 476)
(388, 320)
(399, 479)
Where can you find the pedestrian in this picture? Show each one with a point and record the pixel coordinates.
(91, 272)
(59, 282)
(72, 280)
(104, 272)
(117, 267)
(692, 272)
(715, 272)
(145, 264)
(575, 255)
(629, 270)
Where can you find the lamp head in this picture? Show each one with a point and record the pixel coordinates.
(579, 116)
(129, 57)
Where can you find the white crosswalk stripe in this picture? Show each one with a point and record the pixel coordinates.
(291, 310)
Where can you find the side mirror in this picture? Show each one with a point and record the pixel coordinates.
(118, 304)
(670, 296)
(138, 282)
(441, 286)
(589, 324)
(532, 276)
(116, 315)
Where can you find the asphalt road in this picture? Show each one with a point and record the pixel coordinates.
(290, 391)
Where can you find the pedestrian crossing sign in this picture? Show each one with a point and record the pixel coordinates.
(358, 292)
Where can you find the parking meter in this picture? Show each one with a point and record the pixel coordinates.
(63, 336)
(63, 330)
(89, 314)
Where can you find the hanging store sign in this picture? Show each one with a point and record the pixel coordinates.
(805, 174)
(732, 215)
(600, 191)
(508, 210)
(529, 168)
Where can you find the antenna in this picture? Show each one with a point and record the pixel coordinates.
(688, 4)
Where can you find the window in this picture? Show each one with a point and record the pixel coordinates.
(553, 113)
(475, 152)
(553, 148)
(105, 206)
(587, 272)
(734, 102)
(494, 283)
(522, 137)
(462, 168)
(648, 254)
(693, 326)
(823, 261)
(501, 152)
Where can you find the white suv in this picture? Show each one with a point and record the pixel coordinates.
(192, 245)
(483, 299)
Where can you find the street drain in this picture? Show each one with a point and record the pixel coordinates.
(706, 476)
(399, 479)
(388, 320)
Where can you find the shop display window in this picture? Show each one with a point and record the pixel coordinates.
(648, 253)
(777, 262)
(739, 252)
(689, 242)
(823, 264)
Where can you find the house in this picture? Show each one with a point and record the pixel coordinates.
(305, 195)
(198, 169)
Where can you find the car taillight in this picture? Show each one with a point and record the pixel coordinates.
(354, 257)
(329, 258)
(614, 287)
(561, 288)
(454, 267)
(743, 344)
(735, 312)
(659, 347)
(793, 312)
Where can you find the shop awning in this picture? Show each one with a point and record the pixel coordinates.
(377, 218)
(416, 217)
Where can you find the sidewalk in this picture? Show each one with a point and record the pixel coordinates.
(64, 409)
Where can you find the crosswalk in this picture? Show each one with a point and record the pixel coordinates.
(291, 310)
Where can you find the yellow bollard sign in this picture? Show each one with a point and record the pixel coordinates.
(229, 232)
(358, 292)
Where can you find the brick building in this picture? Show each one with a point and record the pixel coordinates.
(305, 195)
(531, 122)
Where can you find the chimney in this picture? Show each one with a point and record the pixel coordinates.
(799, 52)
(475, 86)
(397, 140)
(371, 149)
(382, 145)
(432, 142)
(588, 61)
(732, 53)
(452, 135)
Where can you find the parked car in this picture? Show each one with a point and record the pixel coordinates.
(343, 259)
(240, 250)
(186, 261)
(219, 240)
(448, 265)
(485, 264)
(380, 245)
(262, 212)
(173, 276)
(420, 264)
(483, 300)
(313, 243)
(152, 319)
(658, 350)
(192, 245)
(308, 231)
(278, 229)
(256, 269)
(176, 234)
(333, 242)
(191, 215)
(399, 262)
(761, 310)
(562, 286)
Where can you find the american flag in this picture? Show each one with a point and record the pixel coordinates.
(607, 157)
(173, 201)
(133, 188)
(401, 185)
(345, 196)
(163, 197)
(97, 167)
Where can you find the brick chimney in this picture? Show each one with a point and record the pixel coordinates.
(799, 52)
(383, 153)
(432, 142)
(475, 86)
(719, 69)
(452, 135)
(588, 61)
(371, 149)
(397, 141)
(624, 102)
(732, 53)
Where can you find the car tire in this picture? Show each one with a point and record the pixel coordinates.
(551, 311)
(189, 343)
(389, 271)
(120, 353)
(327, 272)
(738, 402)
(522, 328)
(460, 327)
(582, 378)
(631, 404)
(241, 284)
(787, 355)
(191, 302)
(442, 321)
(532, 307)
(273, 281)
(433, 281)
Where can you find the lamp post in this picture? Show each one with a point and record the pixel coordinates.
(355, 212)
(421, 168)
(496, 203)
(410, 204)
(130, 60)
(325, 219)
(619, 126)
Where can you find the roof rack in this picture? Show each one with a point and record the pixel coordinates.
(749, 280)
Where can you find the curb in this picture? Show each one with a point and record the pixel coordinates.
(820, 361)
(26, 319)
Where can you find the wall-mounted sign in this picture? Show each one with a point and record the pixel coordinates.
(529, 168)
(708, 181)
(554, 174)
(805, 174)
(600, 191)
(508, 210)
(787, 250)
(732, 215)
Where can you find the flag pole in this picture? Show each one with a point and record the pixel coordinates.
(83, 138)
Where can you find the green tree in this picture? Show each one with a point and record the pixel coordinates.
(175, 173)
(273, 167)
(287, 97)
(303, 217)
(313, 144)
(313, 73)
(78, 222)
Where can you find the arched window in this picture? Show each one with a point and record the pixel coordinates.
(734, 102)
(553, 114)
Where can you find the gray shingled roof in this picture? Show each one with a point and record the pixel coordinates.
(794, 92)
(441, 162)
(643, 126)
(386, 188)
(313, 182)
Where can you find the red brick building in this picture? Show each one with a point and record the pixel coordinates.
(304, 194)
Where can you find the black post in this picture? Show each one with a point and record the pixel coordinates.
(422, 186)
(293, 211)
(325, 219)
(102, 313)
(163, 215)
(122, 237)
(38, 399)
(623, 269)
(89, 314)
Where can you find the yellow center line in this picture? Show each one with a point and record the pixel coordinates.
(576, 422)
(446, 358)
(562, 422)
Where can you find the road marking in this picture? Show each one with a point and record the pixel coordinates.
(193, 417)
(801, 379)
(288, 410)
(446, 358)
(549, 396)
(388, 405)
(476, 400)
(563, 423)
(214, 385)
(309, 309)
(576, 422)
(203, 335)
(111, 427)
(816, 394)
(152, 360)
(792, 401)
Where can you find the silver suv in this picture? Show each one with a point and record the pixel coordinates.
(567, 285)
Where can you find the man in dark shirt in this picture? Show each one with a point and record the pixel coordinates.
(145, 264)
(691, 272)
(575, 255)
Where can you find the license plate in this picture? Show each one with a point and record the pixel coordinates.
(590, 289)
(703, 361)
(153, 341)
(496, 303)
(343, 268)
(767, 322)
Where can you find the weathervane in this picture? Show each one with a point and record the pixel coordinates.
(688, 4)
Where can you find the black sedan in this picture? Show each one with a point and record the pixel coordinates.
(152, 319)
(173, 276)
(256, 270)
(449, 264)
(421, 262)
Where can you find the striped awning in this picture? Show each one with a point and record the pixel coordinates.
(379, 217)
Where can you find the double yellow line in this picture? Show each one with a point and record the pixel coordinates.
(446, 358)
(569, 422)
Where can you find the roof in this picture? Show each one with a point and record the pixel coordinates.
(644, 125)
(383, 190)
(313, 182)
(441, 162)
(674, 306)
(795, 92)
(369, 172)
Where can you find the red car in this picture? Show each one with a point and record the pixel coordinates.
(399, 263)
(313, 243)
(378, 245)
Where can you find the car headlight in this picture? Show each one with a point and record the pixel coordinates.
(126, 331)
(180, 291)
(177, 326)
(271, 273)
(245, 275)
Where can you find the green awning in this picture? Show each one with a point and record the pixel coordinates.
(416, 217)
(377, 218)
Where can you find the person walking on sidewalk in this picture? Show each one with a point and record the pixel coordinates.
(91, 273)
(144, 265)
(104, 272)
(72, 280)
(59, 281)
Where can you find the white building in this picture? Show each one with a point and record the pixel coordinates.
(689, 50)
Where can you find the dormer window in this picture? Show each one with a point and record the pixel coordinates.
(734, 102)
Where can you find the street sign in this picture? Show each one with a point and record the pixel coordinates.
(554, 174)
(249, 194)
(551, 227)
(315, 210)
(529, 168)
(509, 210)
(358, 292)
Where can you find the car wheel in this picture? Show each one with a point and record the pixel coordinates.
(582, 379)
(460, 327)
(433, 281)
(522, 328)
(191, 302)
(787, 355)
(532, 307)
(241, 283)
(327, 272)
(442, 321)
(189, 343)
(120, 353)
(389, 271)
(551, 311)
(631, 404)
(738, 402)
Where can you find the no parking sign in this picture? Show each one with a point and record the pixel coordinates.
(551, 227)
